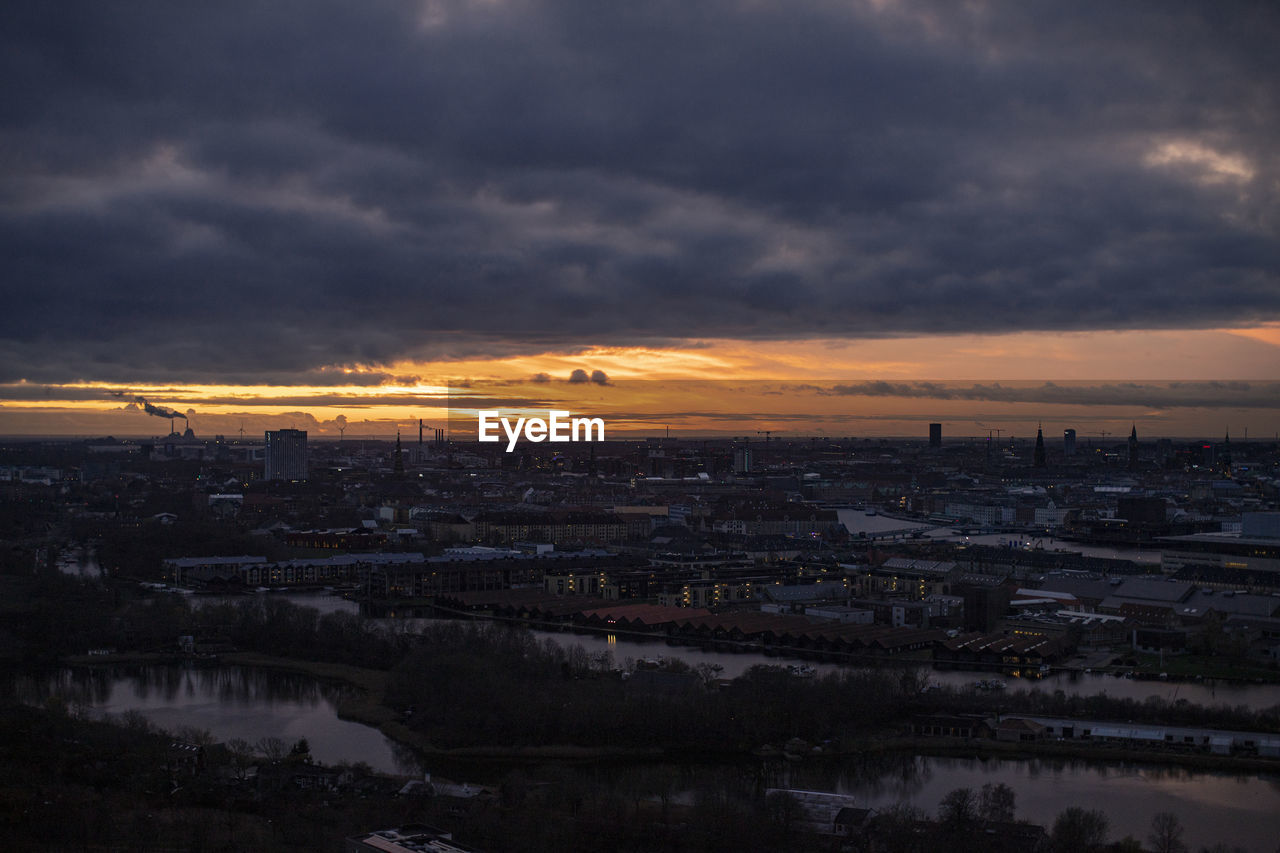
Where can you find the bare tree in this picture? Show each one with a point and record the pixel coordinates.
(241, 756)
(709, 672)
(1166, 833)
(1078, 829)
(997, 802)
(273, 748)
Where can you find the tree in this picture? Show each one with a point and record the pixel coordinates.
(897, 829)
(272, 747)
(1166, 833)
(997, 802)
(958, 814)
(198, 736)
(1078, 829)
(241, 757)
(709, 672)
(301, 750)
(959, 809)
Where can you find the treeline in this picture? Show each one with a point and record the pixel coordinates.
(1058, 703)
(139, 552)
(46, 615)
(72, 783)
(483, 684)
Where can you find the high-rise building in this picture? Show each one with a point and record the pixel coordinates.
(742, 460)
(1068, 442)
(286, 454)
(935, 435)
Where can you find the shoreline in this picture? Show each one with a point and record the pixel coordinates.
(367, 708)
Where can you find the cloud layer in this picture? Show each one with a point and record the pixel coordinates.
(256, 192)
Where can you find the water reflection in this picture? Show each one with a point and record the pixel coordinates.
(228, 702)
(238, 702)
(626, 650)
(1236, 809)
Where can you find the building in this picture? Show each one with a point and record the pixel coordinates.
(935, 435)
(286, 454)
(1248, 559)
(410, 838)
(1068, 442)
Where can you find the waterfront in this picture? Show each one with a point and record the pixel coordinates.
(240, 702)
(856, 521)
(1235, 809)
(732, 664)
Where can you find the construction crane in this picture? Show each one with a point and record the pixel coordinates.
(766, 433)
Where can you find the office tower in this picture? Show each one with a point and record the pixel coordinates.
(935, 435)
(1069, 442)
(286, 454)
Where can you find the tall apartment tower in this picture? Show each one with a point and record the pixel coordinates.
(1068, 442)
(935, 435)
(286, 454)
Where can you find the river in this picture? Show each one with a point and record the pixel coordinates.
(239, 702)
(1236, 809)
(733, 664)
(857, 521)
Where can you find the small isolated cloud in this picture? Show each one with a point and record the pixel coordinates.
(541, 378)
(581, 377)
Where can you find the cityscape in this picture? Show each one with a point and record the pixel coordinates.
(1069, 603)
(505, 426)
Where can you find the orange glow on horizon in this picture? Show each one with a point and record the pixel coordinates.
(420, 389)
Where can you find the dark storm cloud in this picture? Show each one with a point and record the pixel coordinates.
(223, 192)
(1248, 395)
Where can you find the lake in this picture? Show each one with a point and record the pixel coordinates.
(229, 702)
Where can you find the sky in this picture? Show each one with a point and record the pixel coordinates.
(320, 214)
